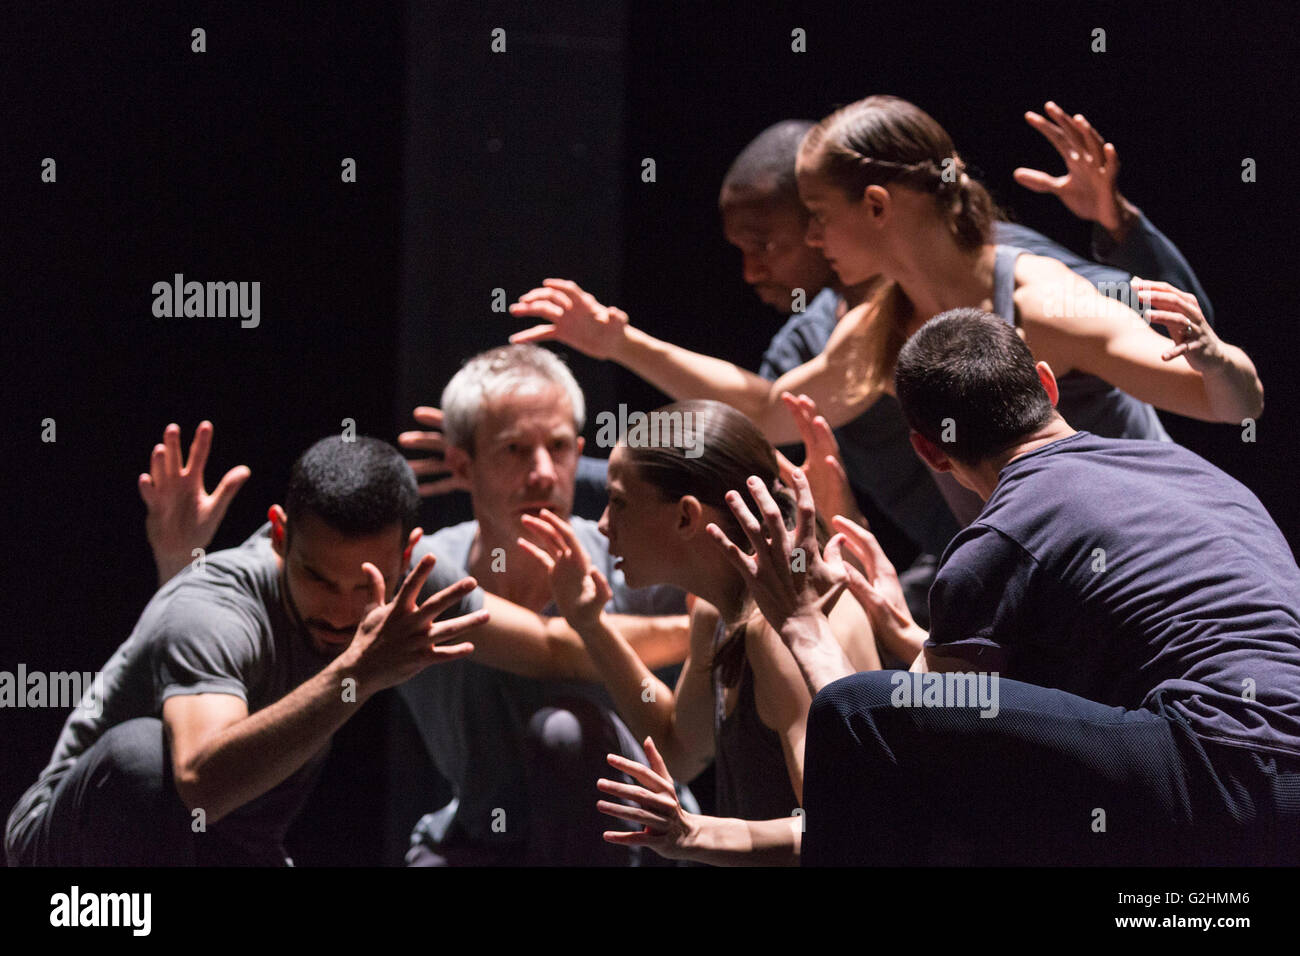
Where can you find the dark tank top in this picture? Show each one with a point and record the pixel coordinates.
(750, 775)
(1086, 402)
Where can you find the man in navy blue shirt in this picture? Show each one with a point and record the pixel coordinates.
(1129, 614)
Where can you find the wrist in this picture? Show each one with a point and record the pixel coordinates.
(352, 665)
(1123, 217)
(629, 342)
(588, 624)
(803, 628)
(696, 835)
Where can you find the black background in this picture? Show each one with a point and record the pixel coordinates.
(477, 171)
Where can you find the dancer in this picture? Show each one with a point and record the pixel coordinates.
(740, 700)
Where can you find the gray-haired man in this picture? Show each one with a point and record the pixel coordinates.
(522, 754)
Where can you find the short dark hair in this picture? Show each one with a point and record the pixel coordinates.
(765, 168)
(967, 373)
(356, 486)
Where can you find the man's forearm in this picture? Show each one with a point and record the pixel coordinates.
(660, 640)
(261, 751)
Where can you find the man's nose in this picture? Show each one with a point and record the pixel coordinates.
(543, 470)
(813, 234)
(755, 265)
(603, 524)
(344, 611)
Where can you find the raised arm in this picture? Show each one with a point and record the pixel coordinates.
(182, 517)
(1122, 236)
(644, 702)
(223, 757)
(575, 318)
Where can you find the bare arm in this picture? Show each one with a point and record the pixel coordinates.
(523, 642)
(673, 833)
(683, 719)
(1068, 324)
(575, 318)
(223, 757)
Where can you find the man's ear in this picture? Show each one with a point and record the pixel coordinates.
(930, 453)
(459, 462)
(1049, 381)
(279, 529)
(412, 540)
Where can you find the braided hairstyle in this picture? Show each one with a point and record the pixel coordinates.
(881, 140)
(724, 450)
(885, 139)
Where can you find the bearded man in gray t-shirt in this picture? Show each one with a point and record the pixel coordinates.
(216, 714)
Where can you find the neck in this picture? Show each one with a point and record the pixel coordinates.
(853, 295)
(719, 584)
(984, 477)
(937, 275)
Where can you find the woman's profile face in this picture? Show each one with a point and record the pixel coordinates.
(637, 522)
(838, 225)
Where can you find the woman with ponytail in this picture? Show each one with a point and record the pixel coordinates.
(891, 200)
(741, 701)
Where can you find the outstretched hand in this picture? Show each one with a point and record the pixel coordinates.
(181, 516)
(823, 464)
(1181, 314)
(398, 639)
(433, 475)
(787, 574)
(879, 591)
(666, 827)
(573, 316)
(1089, 188)
(579, 589)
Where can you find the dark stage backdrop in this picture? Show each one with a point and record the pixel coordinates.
(479, 170)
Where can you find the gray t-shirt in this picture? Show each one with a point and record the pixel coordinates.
(473, 718)
(221, 628)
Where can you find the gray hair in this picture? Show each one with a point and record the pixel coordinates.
(507, 370)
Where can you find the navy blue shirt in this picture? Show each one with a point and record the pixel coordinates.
(1118, 569)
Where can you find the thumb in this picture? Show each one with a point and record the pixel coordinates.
(833, 553)
(538, 333)
(1037, 181)
(225, 492)
(602, 586)
(147, 491)
(376, 586)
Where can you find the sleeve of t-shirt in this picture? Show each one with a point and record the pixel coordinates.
(445, 573)
(980, 599)
(204, 647)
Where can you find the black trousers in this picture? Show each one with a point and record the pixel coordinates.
(1050, 779)
(118, 806)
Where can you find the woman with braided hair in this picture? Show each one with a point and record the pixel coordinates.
(890, 199)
